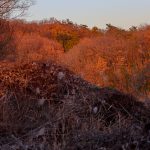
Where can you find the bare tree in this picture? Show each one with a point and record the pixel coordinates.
(9, 8)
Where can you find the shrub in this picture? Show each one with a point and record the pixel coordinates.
(5, 36)
(31, 47)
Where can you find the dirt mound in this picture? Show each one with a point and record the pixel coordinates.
(44, 106)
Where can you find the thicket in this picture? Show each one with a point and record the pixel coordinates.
(112, 57)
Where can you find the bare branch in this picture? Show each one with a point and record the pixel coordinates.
(9, 8)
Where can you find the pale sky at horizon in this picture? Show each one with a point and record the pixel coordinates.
(120, 13)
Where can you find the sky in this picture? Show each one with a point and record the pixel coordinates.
(120, 13)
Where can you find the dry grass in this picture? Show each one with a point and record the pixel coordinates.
(46, 107)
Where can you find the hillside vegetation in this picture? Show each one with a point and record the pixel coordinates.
(46, 107)
(112, 57)
(64, 86)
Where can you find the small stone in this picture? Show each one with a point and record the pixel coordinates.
(41, 132)
(47, 64)
(37, 90)
(60, 75)
(34, 63)
(95, 110)
(103, 101)
(41, 101)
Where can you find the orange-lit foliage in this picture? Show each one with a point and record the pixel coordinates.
(113, 57)
(33, 47)
(5, 36)
(65, 32)
(119, 59)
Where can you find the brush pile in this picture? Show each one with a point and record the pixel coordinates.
(43, 106)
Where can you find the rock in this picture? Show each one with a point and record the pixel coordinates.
(41, 132)
(95, 110)
(41, 101)
(37, 90)
(60, 75)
